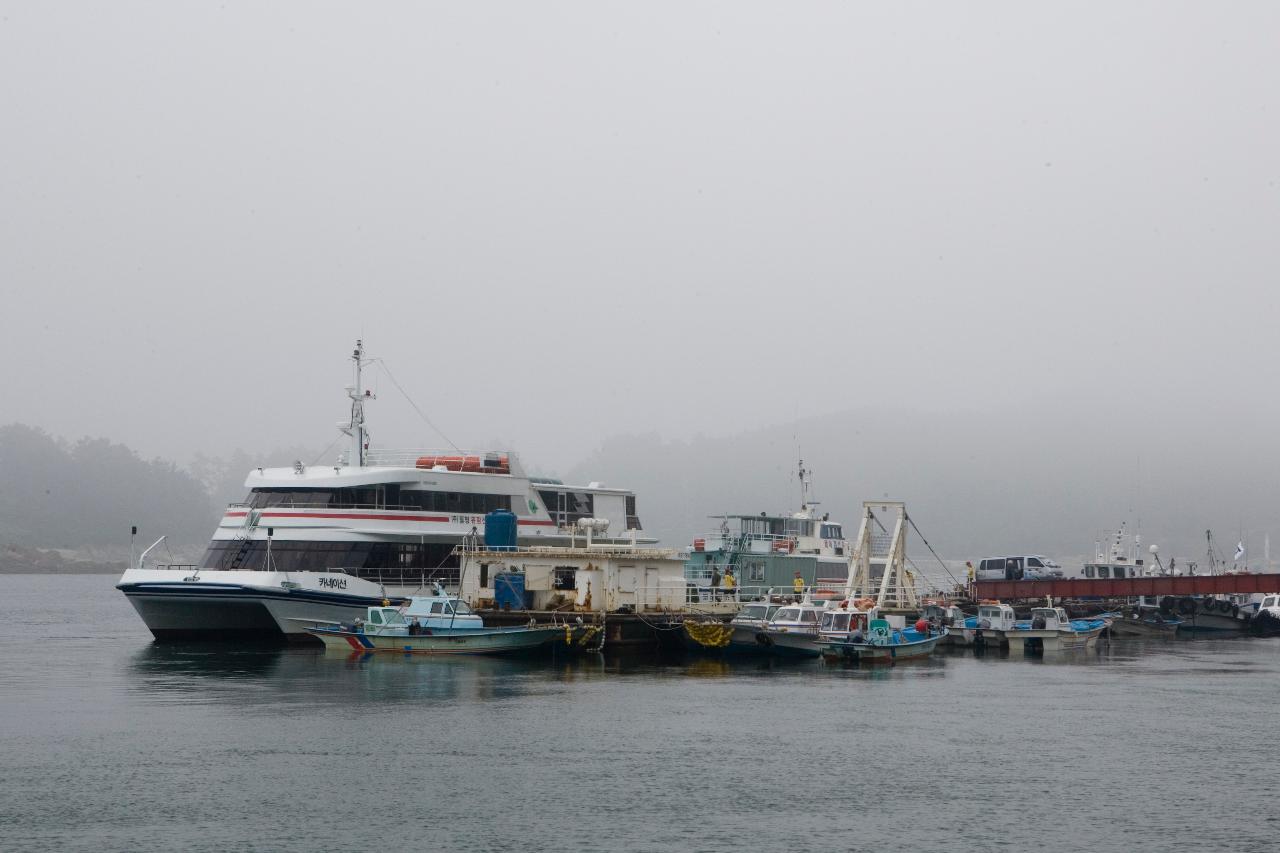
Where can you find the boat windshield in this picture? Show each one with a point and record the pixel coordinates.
(788, 614)
(835, 621)
(459, 607)
(392, 617)
(754, 611)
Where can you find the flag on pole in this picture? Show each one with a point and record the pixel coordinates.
(1239, 550)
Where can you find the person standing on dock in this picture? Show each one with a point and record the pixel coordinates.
(798, 584)
(715, 583)
(731, 583)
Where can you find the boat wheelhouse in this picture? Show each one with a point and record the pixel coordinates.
(327, 541)
(765, 552)
(1119, 557)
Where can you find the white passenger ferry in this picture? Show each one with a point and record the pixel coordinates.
(328, 541)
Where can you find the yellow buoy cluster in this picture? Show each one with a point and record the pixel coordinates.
(712, 635)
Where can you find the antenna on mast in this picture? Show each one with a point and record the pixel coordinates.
(358, 394)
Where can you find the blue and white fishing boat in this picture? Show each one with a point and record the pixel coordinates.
(994, 620)
(860, 634)
(436, 624)
(1051, 630)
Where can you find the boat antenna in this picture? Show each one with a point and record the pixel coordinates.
(806, 485)
(358, 394)
(387, 370)
(469, 543)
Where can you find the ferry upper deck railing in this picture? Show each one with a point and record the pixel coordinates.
(408, 457)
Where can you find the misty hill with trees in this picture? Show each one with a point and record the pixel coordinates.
(1018, 481)
(1009, 481)
(60, 494)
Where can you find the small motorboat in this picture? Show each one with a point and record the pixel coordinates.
(1143, 620)
(994, 620)
(436, 624)
(1050, 630)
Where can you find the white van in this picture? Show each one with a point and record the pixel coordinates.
(1028, 567)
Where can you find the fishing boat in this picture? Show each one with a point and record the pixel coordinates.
(988, 628)
(763, 628)
(1144, 620)
(861, 635)
(1207, 615)
(804, 551)
(326, 541)
(436, 624)
(945, 616)
(1051, 630)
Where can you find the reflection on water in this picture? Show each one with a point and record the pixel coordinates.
(112, 742)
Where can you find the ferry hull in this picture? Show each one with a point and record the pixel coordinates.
(242, 605)
(178, 618)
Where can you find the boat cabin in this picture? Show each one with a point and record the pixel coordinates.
(995, 616)
(940, 613)
(847, 624)
(1049, 619)
(756, 614)
(441, 611)
(802, 618)
(384, 620)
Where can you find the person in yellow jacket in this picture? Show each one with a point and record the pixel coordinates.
(730, 584)
(798, 584)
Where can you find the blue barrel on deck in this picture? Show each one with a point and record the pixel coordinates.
(508, 590)
(500, 530)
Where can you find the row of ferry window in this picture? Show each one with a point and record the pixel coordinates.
(379, 497)
(565, 508)
(289, 556)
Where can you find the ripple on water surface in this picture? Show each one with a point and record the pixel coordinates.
(111, 742)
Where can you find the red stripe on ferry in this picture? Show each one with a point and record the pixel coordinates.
(354, 515)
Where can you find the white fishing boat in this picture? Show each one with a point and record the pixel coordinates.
(1051, 630)
(328, 541)
(993, 621)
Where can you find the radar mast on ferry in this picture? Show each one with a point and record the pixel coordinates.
(355, 428)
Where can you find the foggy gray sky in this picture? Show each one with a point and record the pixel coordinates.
(562, 221)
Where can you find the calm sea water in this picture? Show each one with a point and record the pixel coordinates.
(110, 742)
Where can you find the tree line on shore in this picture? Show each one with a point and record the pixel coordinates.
(86, 493)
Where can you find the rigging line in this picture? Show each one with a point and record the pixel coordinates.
(912, 522)
(321, 454)
(878, 522)
(421, 414)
